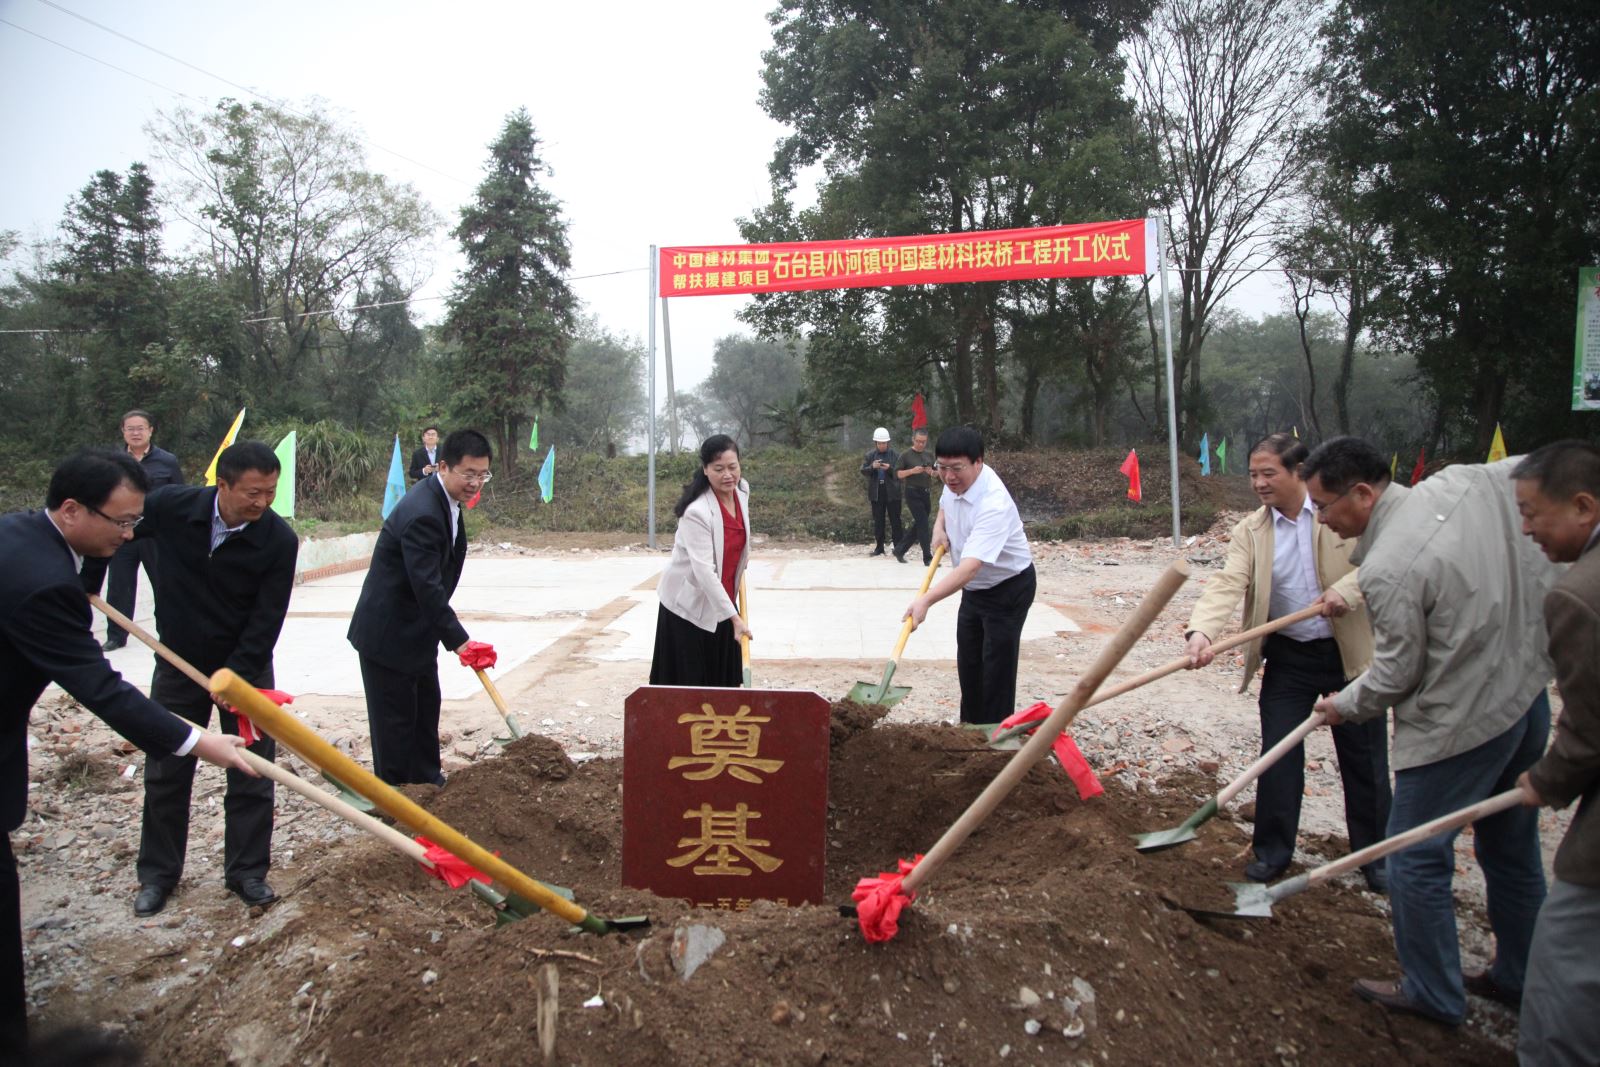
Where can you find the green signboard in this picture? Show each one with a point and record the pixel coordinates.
(1586, 356)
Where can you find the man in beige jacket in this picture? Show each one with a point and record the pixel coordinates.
(1281, 560)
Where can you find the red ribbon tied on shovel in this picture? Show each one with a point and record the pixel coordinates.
(247, 729)
(449, 868)
(880, 900)
(479, 655)
(1065, 749)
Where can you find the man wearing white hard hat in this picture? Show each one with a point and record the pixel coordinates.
(883, 488)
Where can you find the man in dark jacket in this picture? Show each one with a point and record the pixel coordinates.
(403, 614)
(1558, 493)
(227, 570)
(160, 468)
(425, 460)
(883, 488)
(95, 500)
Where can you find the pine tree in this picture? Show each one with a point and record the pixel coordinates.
(511, 310)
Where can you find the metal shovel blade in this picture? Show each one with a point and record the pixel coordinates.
(1163, 839)
(1252, 900)
(867, 693)
(516, 732)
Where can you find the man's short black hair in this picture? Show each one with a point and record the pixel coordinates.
(1342, 462)
(959, 441)
(1562, 470)
(91, 475)
(435, 429)
(139, 413)
(244, 456)
(1290, 450)
(461, 444)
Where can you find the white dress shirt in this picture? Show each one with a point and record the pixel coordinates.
(452, 506)
(1294, 573)
(983, 524)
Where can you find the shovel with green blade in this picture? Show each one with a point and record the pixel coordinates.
(1164, 839)
(881, 692)
(744, 638)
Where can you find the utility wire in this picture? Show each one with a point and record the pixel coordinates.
(97, 59)
(280, 105)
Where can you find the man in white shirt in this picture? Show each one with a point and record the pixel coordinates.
(992, 569)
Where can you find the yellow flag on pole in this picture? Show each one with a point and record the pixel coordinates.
(233, 432)
(1394, 463)
(1497, 447)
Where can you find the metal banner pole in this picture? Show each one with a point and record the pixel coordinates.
(1172, 395)
(650, 434)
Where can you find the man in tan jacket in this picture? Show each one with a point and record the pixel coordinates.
(1281, 560)
(1558, 494)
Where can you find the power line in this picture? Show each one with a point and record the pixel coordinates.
(225, 81)
(97, 59)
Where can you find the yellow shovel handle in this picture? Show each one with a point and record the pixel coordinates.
(927, 583)
(744, 613)
(494, 694)
(320, 754)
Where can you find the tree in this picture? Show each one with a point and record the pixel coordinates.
(749, 376)
(511, 309)
(291, 226)
(937, 118)
(1473, 131)
(1223, 88)
(604, 393)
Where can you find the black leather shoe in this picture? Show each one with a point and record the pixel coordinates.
(253, 891)
(898, 558)
(1377, 877)
(114, 643)
(1261, 871)
(876, 552)
(1482, 984)
(927, 561)
(1392, 996)
(151, 899)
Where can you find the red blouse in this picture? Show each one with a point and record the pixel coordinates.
(733, 538)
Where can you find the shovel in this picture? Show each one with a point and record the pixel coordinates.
(1254, 901)
(881, 692)
(1176, 665)
(500, 706)
(744, 638)
(348, 795)
(293, 733)
(1164, 839)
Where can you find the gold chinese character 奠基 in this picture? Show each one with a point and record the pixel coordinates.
(724, 838)
(729, 743)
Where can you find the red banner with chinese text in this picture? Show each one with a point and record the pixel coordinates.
(1078, 250)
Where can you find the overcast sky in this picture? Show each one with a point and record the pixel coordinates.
(647, 112)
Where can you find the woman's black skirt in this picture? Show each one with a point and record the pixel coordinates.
(688, 655)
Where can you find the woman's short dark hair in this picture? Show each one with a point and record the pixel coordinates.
(91, 475)
(1290, 450)
(710, 449)
(461, 444)
(244, 456)
(1342, 462)
(959, 441)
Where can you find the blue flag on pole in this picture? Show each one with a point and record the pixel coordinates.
(396, 486)
(547, 475)
(1205, 453)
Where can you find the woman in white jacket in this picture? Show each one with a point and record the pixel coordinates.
(698, 626)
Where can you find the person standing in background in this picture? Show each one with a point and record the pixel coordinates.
(160, 468)
(425, 460)
(883, 488)
(915, 471)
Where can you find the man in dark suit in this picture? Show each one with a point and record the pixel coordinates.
(1558, 494)
(425, 460)
(227, 569)
(95, 500)
(160, 468)
(404, 614)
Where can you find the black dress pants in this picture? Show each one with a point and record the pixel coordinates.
(886, 505)
(122, 579)
(13, 993)
(988, 642)
(169, 783)
(1297, 673)
(403, 720)
(920, 532)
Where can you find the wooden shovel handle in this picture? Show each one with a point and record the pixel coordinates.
(1151, 606)
(1472, 813)
(744, 614)
(1182, 662)
(149, 639)
(927, 581)
(1269, 757)
(494, 694)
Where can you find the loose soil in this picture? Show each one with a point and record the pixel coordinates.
(1046, 922)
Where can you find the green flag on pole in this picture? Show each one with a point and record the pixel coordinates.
(1222, 454)
(533, 438)
(283, 503)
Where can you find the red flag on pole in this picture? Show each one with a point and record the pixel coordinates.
(474, 501)
(919, 414)
(1130, 467)
(1422, 461)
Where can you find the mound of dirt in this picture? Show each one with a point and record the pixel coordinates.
(1046, 939)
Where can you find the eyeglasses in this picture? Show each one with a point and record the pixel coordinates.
(951, 468)
(121, 524)
(473, 479)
